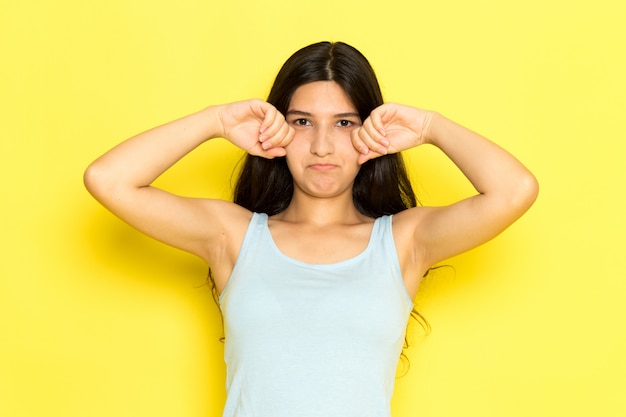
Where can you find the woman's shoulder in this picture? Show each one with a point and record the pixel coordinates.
(410, 218)
(225, 213)
(408, 226)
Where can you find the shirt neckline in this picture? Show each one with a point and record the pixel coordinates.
(355, 258)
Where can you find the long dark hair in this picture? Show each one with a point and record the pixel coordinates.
(382, 185)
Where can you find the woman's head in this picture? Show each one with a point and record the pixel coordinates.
(381, 186)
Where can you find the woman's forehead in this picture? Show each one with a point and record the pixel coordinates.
(322, 98)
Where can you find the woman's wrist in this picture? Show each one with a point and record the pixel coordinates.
(432, 127)
(211, 116)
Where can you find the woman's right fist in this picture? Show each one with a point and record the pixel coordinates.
(256, 127)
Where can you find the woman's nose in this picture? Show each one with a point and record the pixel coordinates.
(322, 143)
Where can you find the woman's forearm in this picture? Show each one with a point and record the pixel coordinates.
(492, 171)
(138, 161)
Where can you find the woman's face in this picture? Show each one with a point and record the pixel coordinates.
(321, 157)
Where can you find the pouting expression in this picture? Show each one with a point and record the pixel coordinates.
(321, 157)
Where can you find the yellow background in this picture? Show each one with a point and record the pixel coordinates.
(97, 320)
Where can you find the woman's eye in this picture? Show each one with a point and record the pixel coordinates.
(345, 123)
(301, 122)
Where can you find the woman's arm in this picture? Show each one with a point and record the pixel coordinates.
(506, 189)
(120, 179)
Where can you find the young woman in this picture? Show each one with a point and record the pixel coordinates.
(318, 258)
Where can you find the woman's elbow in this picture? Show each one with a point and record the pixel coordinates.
(526, 192)
(95, 179)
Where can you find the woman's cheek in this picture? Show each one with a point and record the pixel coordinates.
(295, 147)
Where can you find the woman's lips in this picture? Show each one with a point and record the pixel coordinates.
(322, 167)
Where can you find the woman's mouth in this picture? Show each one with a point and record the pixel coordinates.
(322, 167)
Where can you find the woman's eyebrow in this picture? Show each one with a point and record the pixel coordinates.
(350, 114)
(299, 113)
(339, 115)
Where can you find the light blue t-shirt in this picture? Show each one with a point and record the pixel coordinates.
(313, 340)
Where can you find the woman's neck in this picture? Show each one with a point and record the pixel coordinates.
(322, 211)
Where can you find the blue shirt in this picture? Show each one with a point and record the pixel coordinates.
(309, 340)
